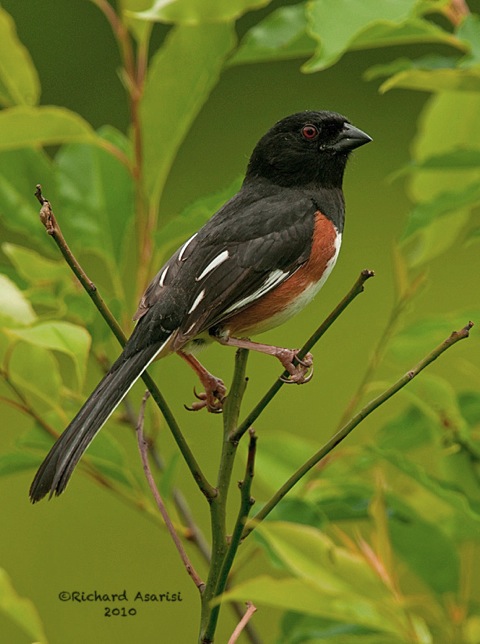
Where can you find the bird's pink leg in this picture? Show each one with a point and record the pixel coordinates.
(214, 395)
(300, 371)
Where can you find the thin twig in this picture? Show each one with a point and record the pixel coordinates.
(50, 222)
(251, 609)
(350, 426)
(193, 532)
(456, 11)
(356, 289)
(52, 227)
(143, 447)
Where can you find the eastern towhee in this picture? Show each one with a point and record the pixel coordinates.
(261, 258)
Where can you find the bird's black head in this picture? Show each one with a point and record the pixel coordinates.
(306, 149)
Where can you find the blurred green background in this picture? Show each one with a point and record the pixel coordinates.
(89, 539)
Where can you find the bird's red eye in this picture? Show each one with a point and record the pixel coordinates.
(309, 132)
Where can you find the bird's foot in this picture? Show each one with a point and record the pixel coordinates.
(300, 370)
(212, 398)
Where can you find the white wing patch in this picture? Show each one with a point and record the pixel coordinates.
(161, 281)
(197, 301)
(301, 300)
(274, 278)
(216, 261)
(185, 246)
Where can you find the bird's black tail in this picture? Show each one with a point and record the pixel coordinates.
(56, 470)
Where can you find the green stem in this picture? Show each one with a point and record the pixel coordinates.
(350, 426)
(356, 289)
(218, 504)
(246, 502)
(53, 229)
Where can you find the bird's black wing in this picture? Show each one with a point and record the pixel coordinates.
(248, 248)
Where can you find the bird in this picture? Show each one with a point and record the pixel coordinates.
(255, 263)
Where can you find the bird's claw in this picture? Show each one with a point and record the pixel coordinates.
(212, 398)
(301, 371)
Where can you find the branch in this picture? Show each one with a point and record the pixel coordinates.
(218, 505)
(337, 438)
(48, 219)
(456, 11)
(356, 289)
(246, 503)
(251, 609)
(143, 447)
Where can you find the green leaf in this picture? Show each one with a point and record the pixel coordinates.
(14, 462)
(411, 429)
(109, 457)
(308, 553)
(304, 596)
(433, 498)
(435, 80)
(33, 267)
(441, 132)
(96, 199)
(36, 438)
(459, 159)
(336, 25)
(195, 12)
(413, 30)
(14, 307)
(431, 241)
(441, 398)
(341, 499)
(175, 91)
(298, 628)
(20, 610)
(20, 171)
(22, 127)
(65, 337)
(469, 33)
(428, 551)
(279, 457)
(469, 402)
(426, 63)
(438, 73)
(297, 510)
(141, 29)
(19, 83)
(35, 371)
(441, 206)
(281, 36)
(417, 338)
(473, 236)
(435, 137)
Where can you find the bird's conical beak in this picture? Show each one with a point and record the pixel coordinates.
(350, 138)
